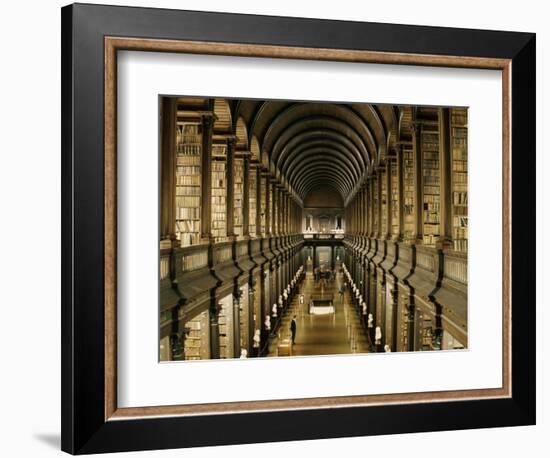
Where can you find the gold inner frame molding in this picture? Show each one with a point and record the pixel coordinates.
(114, 44)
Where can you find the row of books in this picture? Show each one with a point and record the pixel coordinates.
(431, 191)
(460, 198)
(218, 215)
(431, 229)
(460, 166)
(460, 154)
(431, 218)
(219, 150)
(431, 181)
(430, 154)
(431, 167)
(197, 342)
(460, 245)
(188, 225)
(188, 160)
(188, 239)
(191, 213)
(460, 135)
(188, 201)
(184, 149)
(459, 116)
(187, 179)
(188, 191)
(460, 221)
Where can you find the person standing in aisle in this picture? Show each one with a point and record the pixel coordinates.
(293, 329)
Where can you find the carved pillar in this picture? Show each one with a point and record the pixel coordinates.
(167, 171)
(287, 212)
(246, 195)
(230, 182)
(206, 178)
(214, 330)
(282, 228)
(355, 215)
(379, 204)
(445, 170)
(258, 202)
(418, 204)
(275, 208)
(360, 207)
(366, 208)
(373, 212)
(267, 207)
(388, 233)
(400, 201)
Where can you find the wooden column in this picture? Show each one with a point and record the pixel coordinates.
(360, 210)
(282, 229)
(267, 207)
(364, 204)
(417, 160)
(372, 209)
(275, 208)
(289, 222)
(400, 194)
(388, 233)
(445, 171)
(246, 195)
(214, 330)
(355, 215)
(258, 201)
(167, 171)
(282, 211)
(206, 176)
(368, 216)
(379, 204)
(230, 183)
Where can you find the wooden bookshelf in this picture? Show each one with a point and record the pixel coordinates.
(383, 202)
(197, 338)
(430, 182)
(244, 318)
(269, 208)
(252, 201)
(408, 193)
(263, 208)
(375, 227)
(459, 145)
(219, 196)
(225, 326)
(188, 183)
(238, 171)
(394, 198)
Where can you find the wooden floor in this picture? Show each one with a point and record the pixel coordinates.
(338, 333)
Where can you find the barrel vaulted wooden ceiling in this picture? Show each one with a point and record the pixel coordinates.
(308, 145)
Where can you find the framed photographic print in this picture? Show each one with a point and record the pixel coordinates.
(271, 222)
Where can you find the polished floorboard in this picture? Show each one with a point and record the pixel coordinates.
(331, 334)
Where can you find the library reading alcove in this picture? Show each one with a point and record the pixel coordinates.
(311, 228)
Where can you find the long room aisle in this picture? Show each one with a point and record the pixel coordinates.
(336, 333)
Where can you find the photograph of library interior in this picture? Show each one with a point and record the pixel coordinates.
(300, 228)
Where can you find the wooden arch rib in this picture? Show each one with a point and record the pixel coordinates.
(320, 178)
(222, 110)
(341, 132)
(242, 135)
(319, 150)
(301, 111)
(301, 174)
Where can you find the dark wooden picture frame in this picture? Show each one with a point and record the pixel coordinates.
(91, 37)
